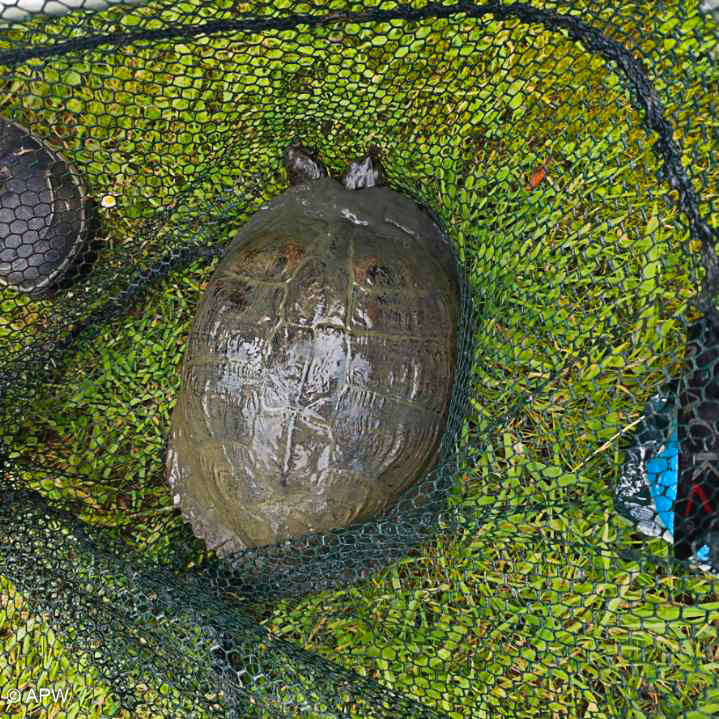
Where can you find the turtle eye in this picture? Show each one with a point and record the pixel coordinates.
(379, 275)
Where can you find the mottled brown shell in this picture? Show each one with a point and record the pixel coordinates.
(319, 369)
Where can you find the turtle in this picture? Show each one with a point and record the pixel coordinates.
(46, 217)
(320, 365)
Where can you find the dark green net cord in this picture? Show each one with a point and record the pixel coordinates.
(569, 151)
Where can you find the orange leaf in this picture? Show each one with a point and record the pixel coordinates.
(537, 176)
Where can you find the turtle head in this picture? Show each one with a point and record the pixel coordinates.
(302, 166)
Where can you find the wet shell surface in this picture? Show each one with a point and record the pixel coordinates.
(319, 369)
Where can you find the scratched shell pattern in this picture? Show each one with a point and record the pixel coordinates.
(318, 372)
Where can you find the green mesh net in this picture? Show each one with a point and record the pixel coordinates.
(560, 558)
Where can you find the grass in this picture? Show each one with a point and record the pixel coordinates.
(582, 283)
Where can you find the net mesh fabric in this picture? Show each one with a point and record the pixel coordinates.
(569, 151)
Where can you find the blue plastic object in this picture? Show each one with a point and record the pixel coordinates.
(662, 475)
(647, 487)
